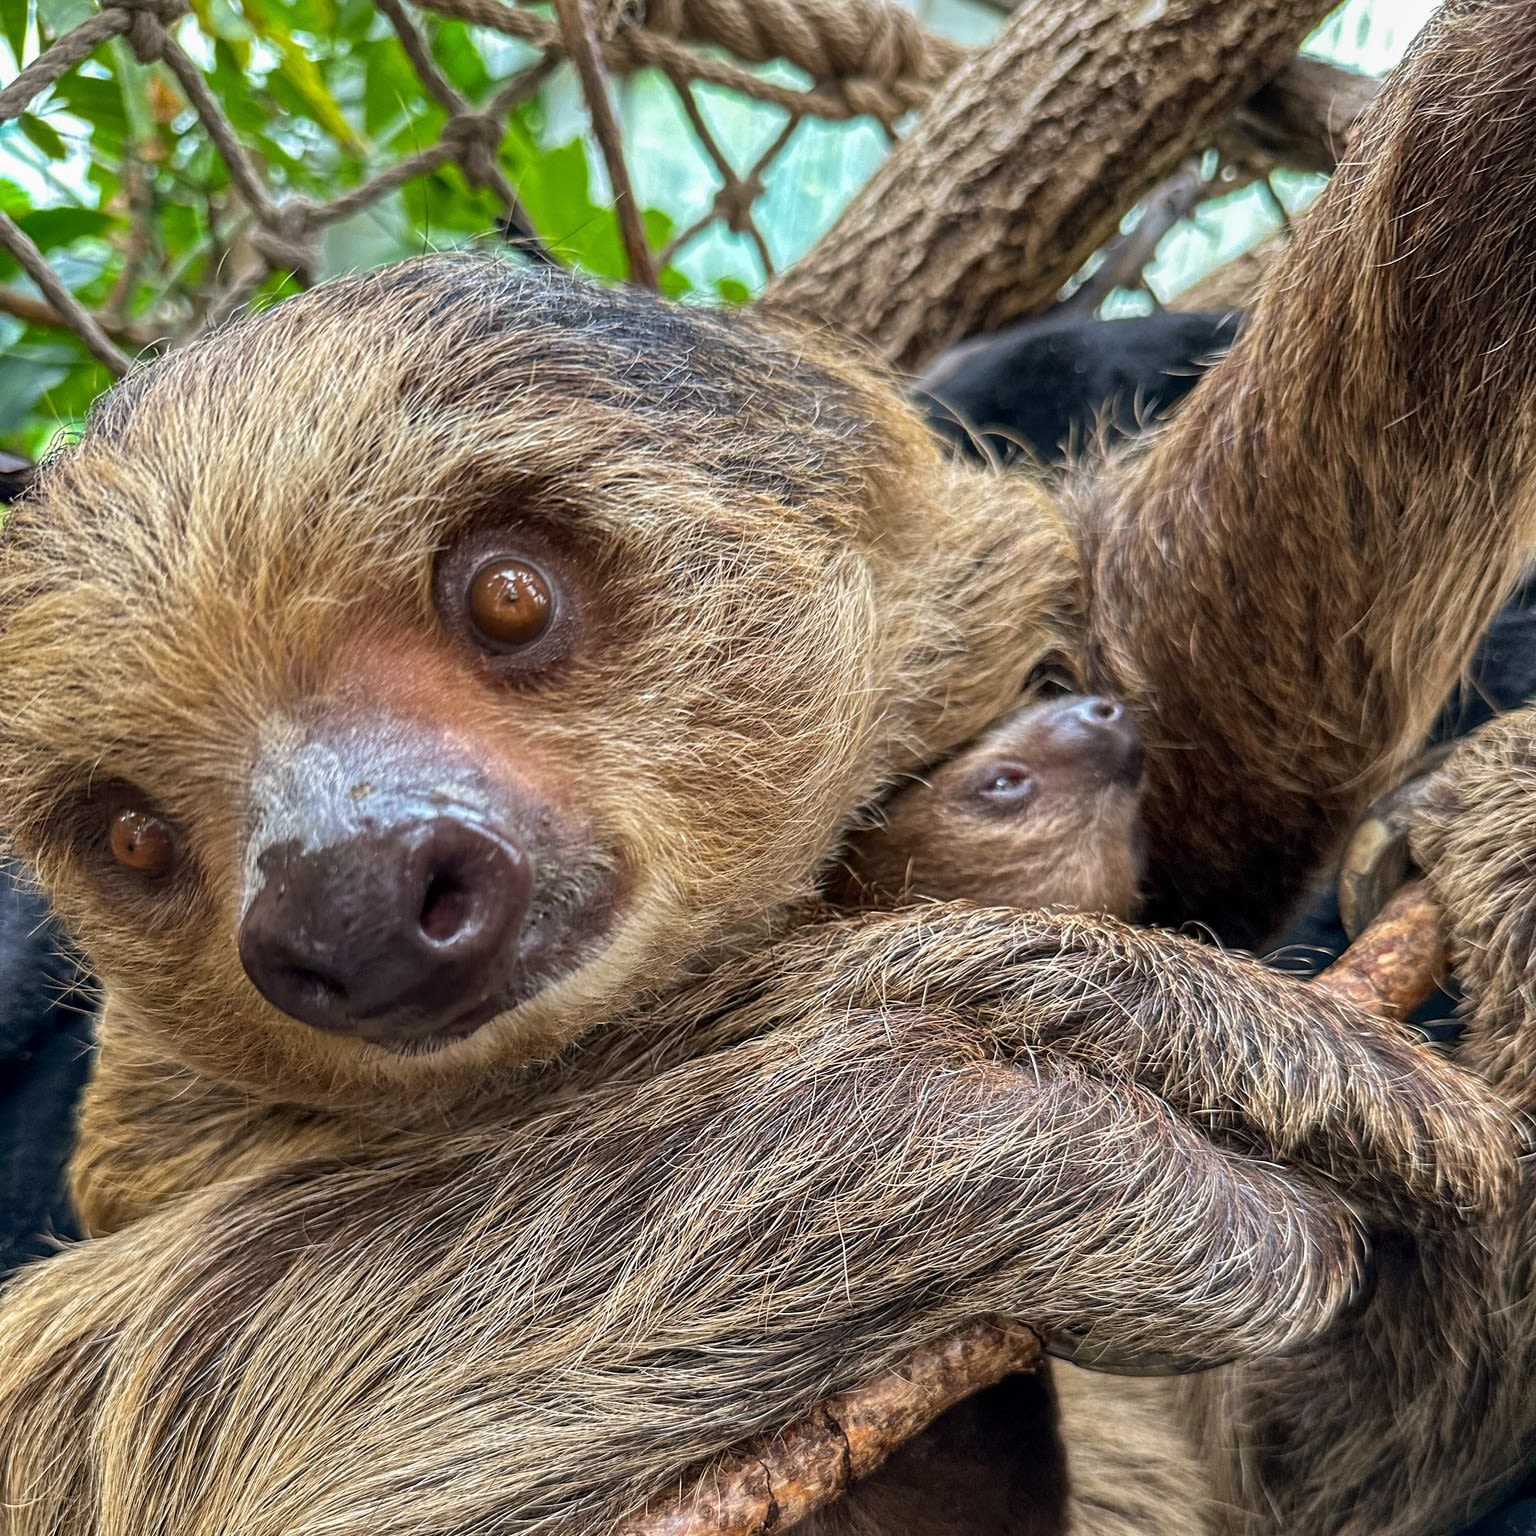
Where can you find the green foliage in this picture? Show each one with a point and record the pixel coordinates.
(115, 179)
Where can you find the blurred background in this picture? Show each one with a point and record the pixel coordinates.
(112, 176)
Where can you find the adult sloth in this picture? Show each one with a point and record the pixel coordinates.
(435, 763)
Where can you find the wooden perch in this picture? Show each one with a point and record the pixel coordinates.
(776, 1482)
(1302, 118)
(1397, 961)
(1303, 114)
(779, 1480)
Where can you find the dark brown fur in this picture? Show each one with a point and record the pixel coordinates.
(1417, 1414)
(725, 1160)
(1067, 833)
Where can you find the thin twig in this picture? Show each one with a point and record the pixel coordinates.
(780, 1480)
(141, 215)
(578, 29)
(1126, 258)
(34, 311)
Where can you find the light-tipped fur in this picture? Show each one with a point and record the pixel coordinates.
(733, 1156)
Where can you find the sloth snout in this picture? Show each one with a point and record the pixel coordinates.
(403, 932)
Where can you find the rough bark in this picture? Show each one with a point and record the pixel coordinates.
(1028, 159)
(1302, 117)
(776, 1483)
(1396, 962)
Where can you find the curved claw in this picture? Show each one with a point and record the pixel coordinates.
(1079, 1349)
(1376, 858)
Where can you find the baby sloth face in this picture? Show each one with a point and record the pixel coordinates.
(1043, 809)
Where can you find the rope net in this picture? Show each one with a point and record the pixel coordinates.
(861, 58)
(267, 180)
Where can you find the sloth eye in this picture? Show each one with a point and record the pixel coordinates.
(510, 602)
(1050, 679)
(1005, 786)
(142, 840)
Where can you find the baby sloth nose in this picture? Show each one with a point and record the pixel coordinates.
(1100, 736)
(400, 932)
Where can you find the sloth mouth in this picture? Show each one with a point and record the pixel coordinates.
(434, 1044)
(453, 1032)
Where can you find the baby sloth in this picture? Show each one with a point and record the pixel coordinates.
(1042, 809)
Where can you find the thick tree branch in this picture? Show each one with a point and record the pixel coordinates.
(1029, 158)
(1301, 119)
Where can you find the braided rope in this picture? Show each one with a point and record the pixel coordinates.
(844, 40)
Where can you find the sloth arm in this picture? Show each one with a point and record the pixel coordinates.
(545, 1321)
(1290, 578)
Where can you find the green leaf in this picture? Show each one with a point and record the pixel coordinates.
(459, 58)
(99, 101)
(15, 14)
(219, 22)
(303, 74)
(43, 134)
(732, 290)
(442, 206)
(658, 225)
(230, 80)
(393, 100)
(674, 282)
(13, 200)
(51, 228)
(22, 386)
(45, 383)
(356, 20)
(56, 17)
(554, 188)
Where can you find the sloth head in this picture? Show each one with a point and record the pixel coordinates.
(398, 682)
(1043, 809)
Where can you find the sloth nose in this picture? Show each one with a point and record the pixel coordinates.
(399, 933)
(1101, 736)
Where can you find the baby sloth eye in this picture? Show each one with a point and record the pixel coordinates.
(142, 840)
(1005, 786)
(511, 603)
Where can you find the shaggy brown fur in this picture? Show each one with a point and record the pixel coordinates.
(714, 1161)
(1417, 1413)
(1043, 809)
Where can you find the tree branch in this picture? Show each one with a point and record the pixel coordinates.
(1301, 119)
(1029, 158)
